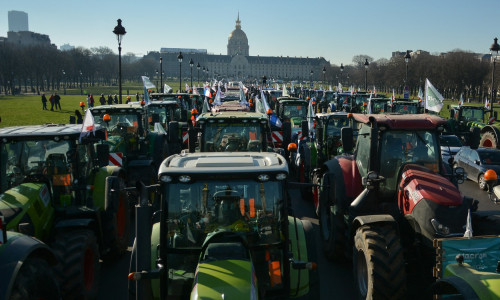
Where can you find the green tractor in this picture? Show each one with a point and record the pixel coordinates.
(406, 106)
(466, 118)
(132, 145)
(224, 232)
(26, 267)
(56, 186)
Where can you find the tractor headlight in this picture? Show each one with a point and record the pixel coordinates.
(439, 228)
(281, 176)
(166, 178)
(263, 177)
(184, 178)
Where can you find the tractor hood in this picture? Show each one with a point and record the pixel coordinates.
(225, 279)
(419, 183)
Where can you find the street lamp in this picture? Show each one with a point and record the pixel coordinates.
(366, 74)
(120, 32)
(341, 72)
(191, 64)
(81, 90)
(208, 75)
(310, 79)
(494, 53)
(179, 58)
(324, 74)
(64, 81)
(156, 71)
(407, 60)
(161, 74)
(198, 68)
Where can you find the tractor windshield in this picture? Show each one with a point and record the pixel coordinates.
(204, 207)
(232, 136)
(42, 159)
(119, 124)
(165, 113)
(470, 114)
(402, 147)
(335, 125)
(405, 108)
(293, 110)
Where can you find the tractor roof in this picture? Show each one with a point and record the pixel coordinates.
(43, 132)
(226, 162)
(402, 121)
(117, 108)
(164, 103)
(232, 115)
(332, 114)
(280, 99)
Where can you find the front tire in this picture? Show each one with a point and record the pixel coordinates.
(78, 268)
(378, 263)
(35, 280)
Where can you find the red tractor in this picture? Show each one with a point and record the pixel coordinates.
(384, 205)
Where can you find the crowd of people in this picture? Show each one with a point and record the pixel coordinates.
(55, 101)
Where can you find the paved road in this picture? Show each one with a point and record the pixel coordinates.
(335, 279)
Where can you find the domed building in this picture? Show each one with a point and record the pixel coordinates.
(237, 64)
(237, 43)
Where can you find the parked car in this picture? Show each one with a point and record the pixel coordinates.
(476, 162)
(450, 145)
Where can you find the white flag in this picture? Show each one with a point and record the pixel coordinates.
(147, 83)
(487, 104)
(88, 125)
(433, 99)
(218, 96)
(468, 227)
(370, 104)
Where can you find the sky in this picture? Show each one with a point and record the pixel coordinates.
(337, 30)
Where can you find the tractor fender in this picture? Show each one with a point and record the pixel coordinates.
(333, 170)
(298, 248)
(371, 219)
(454, 284)
(492, 129)
(16, 252)
(99, 184)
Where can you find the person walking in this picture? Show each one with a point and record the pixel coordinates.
(51, 99)
(102, 100)
(57, 100)
(44, 102)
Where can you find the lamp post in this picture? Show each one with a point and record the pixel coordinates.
(120, 32)
(366, 74)
(198, 68)
(64, 81)
(494, 53)
(341, 72)
(81, 90)
(191, 64)
(407, 88)
(161, 74)
(179, 58)
(324, 74)
(310, 79)
(156, 71)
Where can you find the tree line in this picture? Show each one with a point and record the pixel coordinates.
(34, 69)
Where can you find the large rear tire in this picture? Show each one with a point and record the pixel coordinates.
(331, 222)
(78, 267)
(378, 263)
(35, 280)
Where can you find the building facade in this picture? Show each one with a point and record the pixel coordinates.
(238, 64)
(18, 21)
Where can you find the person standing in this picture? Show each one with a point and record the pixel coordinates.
(116, 99)
(51, 99)
(110, 100)
(102, 100)
(57, 101)
(44, 102)
(92, 101)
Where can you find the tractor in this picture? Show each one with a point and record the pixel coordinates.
(406, 106)
(56, 186)
(26, 267)
(466, 118)
(224, 232)
(385, 204)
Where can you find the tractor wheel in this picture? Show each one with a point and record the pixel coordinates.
(35, 280)
(116, 221)
(331, 221)
(78, 267)
(482, 182)
(488, 140)
(378, 263)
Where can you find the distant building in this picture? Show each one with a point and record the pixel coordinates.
(18, 21)
(28, 38)
(238, 64)
(66, 47)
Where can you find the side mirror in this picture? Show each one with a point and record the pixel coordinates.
(460, 175)
(102, 154)
(346, 134)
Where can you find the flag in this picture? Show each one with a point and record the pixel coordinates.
(330, 88)
(292, 89)
(195, 91)
(461, 101)
(310, 118)
(468, 227)
(375, 91)
(370, 104)
(487, 104)
(285, 91)
(218, 96)
(147, 85)
(208, 94)
(420, 94)
(206, 106)
(243, 98)
(264, 101)
(167, 88)
(275, 121)
(146, 96)
(88, 125)
(339, 88)
(393, 97)
(187, 87)
(433, 99)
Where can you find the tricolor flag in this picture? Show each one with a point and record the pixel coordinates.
(88, 125)
(275, 121)
(433, 99)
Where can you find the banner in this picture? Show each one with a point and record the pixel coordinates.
(88, 125)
